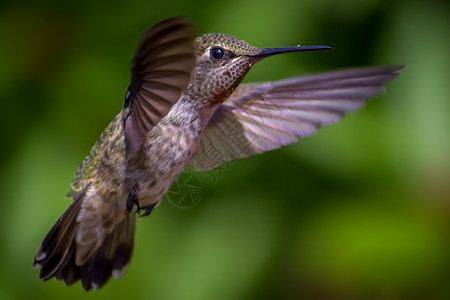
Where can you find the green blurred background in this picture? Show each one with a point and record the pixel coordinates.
(359, 211)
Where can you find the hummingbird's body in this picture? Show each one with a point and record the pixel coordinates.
(167, 151)
(185, 105)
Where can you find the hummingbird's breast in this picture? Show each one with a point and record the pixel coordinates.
(169, 147)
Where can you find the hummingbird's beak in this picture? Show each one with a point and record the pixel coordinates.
(272, 51)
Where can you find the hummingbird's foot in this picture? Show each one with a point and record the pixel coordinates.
(132, 201)
(148, 210)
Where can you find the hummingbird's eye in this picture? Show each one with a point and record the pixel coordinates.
(216, 53)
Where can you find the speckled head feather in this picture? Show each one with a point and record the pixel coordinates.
(239, 47)
(215, 79)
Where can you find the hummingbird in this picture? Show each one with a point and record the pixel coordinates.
(185, 105)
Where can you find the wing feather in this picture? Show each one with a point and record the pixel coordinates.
(265, 116)
(161, 71)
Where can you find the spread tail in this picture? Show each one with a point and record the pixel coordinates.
(70, 252)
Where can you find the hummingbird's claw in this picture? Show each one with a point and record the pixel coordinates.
(148, 210)
(132, 201)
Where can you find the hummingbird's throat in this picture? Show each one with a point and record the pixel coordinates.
(220, 96)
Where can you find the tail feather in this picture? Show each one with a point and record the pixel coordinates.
(54, 252)
(58, 252)
(86, 276)
(101, 267)
(124, 249)
(111, 258)
(70, 273)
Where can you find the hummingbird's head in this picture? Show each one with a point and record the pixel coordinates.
(223, 61)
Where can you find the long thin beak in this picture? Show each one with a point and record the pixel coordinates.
(272, 51)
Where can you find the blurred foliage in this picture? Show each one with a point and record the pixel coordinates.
(359, 211)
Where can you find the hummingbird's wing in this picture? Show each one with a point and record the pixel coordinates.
(161, 70)
(265, 116)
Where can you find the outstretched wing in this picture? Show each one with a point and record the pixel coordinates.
(265, 116)
(161, 71)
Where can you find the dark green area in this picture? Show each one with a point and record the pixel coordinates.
(359, 211)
